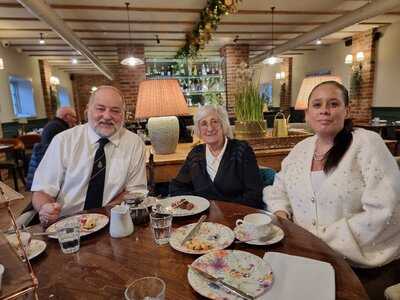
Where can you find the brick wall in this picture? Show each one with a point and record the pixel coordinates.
(360, 106)
(286, 94)
(233, 55)
(45, 74)
(127, 80)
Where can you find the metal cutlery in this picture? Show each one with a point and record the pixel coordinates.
(194, 230)
(222, 283)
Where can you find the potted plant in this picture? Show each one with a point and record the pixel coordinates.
(249, 105)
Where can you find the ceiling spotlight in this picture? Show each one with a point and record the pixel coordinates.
(318, 42)
(41, 40)
(157, 39)
(74, 61)
(236, 39)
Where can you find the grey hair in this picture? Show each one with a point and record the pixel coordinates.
(204, 111)
(93, 95)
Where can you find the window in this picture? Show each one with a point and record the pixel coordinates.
(63, 97)
(22, 97)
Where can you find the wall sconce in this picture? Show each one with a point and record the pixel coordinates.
(54, 80)
(1, 64)
(348, 59)
(360, 56)
(93, 89)
(280, 75)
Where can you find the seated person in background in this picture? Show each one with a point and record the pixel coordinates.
(341, 184)
(87, 166)
(221, 169)
(65, 118)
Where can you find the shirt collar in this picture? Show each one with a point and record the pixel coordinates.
(94, 137)
(219, 157)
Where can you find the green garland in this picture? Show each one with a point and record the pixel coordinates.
(210, 17)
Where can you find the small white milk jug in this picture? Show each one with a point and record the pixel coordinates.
(121, 222)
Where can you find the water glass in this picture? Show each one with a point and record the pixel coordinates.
(161, 226)
(68, 234)
(146, 288)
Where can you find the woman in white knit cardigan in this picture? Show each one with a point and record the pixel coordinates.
(343, 185)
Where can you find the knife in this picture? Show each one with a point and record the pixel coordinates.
(194, 230)
(222, 283)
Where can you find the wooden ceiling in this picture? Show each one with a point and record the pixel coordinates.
(102, 25)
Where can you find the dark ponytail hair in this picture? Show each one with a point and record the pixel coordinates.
(343, 139)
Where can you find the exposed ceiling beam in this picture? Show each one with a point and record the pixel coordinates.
(370, 10)
(41, 10)
(187, 10)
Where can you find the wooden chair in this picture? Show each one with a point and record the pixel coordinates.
(14, 161)
(29, 140)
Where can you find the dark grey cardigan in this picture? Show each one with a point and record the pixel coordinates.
(237, 179)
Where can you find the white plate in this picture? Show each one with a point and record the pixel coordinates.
(101, 222)
(36, 247)
(216, 236)
(200, 205)
(277, 235)
(240, 269)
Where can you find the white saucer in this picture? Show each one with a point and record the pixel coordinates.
(276, 236)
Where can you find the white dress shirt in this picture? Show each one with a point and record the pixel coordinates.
(214, 161)
(66, 167)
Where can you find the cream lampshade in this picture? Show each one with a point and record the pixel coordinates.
(161, 101)
(307, 86)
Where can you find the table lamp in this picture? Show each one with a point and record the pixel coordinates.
(161, 101)
(307, 86)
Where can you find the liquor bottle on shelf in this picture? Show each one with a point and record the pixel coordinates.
(155, 71)
(203, 70)
(208, 70)
(182, 70)
(169, 71)
(162, 73)
(194, 70)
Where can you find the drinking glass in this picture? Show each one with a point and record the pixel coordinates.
(146, 288)
(68, 234)
(161, 226)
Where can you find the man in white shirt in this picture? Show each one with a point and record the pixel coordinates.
(78, 159)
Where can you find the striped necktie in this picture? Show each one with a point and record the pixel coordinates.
(94, 194)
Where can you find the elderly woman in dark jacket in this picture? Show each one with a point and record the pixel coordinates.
(222, 168)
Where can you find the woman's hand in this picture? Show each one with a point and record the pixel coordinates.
(282, 214)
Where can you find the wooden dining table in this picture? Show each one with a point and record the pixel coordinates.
(104, 266)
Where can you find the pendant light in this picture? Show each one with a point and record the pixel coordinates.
(130, 60)
(272, 60)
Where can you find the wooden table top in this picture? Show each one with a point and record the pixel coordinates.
(104, 266)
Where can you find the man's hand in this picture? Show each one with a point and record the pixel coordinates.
(49, 213)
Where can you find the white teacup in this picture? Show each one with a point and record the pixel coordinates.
(25, 239)
(257, 225)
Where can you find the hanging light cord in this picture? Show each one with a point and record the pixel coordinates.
(129, 24)
(272, 29)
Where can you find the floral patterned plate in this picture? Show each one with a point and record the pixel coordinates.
(100, 222)
(276, 235)
(243, 270)
(212, 236)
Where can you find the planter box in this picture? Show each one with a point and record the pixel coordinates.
(269, 142)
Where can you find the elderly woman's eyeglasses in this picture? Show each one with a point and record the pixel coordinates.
(213, 123)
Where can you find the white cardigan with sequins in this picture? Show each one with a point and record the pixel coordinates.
(356, 211)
